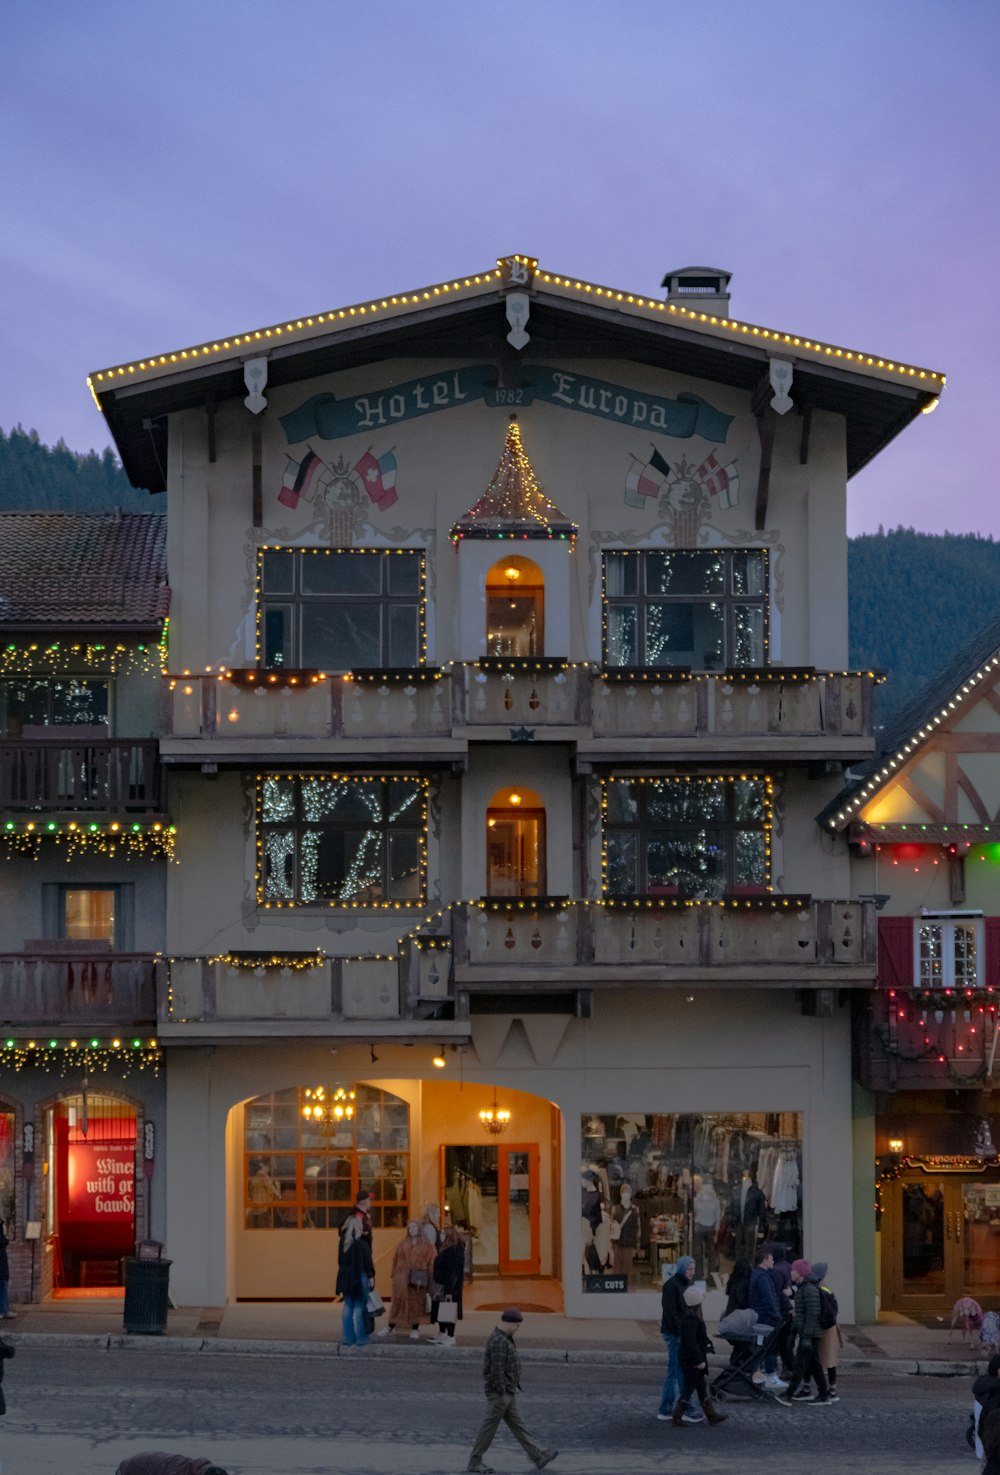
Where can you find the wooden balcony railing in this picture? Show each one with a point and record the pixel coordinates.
(50, 775)
(77, 989)
(905, 1040)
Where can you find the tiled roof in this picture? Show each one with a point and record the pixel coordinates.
(92, 569)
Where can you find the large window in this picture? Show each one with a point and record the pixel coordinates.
(687, 837)
(337, 609)
(28, 702)
(341, 841)
(304, 1172)
(949, 951)
(705, 610)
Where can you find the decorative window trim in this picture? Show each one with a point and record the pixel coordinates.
(950, 923)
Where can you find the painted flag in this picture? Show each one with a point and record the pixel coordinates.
(645, 480)
(722, 481)
(297, 478)
(378, 477)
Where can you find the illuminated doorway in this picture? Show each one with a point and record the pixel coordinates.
(515, 844)
(515, 608)
(89, 1190)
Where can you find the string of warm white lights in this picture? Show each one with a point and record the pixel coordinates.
(67, 657)
(108, 838)
(91, 1055)
(514, 505)
(487, 282)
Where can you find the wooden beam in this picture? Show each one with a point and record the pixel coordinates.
(257, 477)
(806, 411)
(909, 786)
(765, 430)
(210, 412)
(971, 793)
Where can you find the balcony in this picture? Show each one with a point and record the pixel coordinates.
(908, 1041)
(795, 941)
(433, 713)
(107, 775)
(77, 988)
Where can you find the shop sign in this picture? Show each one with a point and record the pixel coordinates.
(101, 1182)
(605, 1284)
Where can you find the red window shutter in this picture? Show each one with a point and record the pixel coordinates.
(895, 952)
(992, 978)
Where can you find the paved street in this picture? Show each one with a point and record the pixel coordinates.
(78, 1410)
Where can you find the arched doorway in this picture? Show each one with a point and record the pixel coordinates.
(88, 1190)
(515, 844)
(515, 608)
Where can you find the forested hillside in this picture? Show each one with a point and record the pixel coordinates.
(37, 477)
(916, 598)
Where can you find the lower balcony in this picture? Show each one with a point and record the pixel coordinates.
(80, 990)
(102, 775)
(907, 1041)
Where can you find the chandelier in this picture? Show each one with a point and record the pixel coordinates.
(495, 1118)
(329, 1106)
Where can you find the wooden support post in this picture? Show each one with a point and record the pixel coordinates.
(257, 477)
(210, 413)
(766, 421)
(806, 411)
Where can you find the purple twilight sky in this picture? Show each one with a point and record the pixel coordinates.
(192, 169)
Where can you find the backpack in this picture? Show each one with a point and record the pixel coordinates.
(827, 1309)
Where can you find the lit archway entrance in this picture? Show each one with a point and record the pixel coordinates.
(515, 844)
(88, 1191)
(515, 608)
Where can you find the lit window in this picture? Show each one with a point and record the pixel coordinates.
(330, 840)
(28, 702)
(701, 838)
(89, 915)
(704, 610)
(340, 611)
(305, 1173)
(949, 952)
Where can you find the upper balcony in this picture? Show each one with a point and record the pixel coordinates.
(78, 986)
(51, 775)
(434, 713)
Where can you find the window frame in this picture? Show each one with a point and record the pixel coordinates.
(300, 825)
(644, 826)
(641, 602)
(54, 911)
(950, 924)
(50, 681)
(302, 1205)
(293, 604)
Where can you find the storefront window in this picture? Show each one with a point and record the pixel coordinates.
(305, 1172)
(710, 1185)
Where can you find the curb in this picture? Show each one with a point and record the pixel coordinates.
(582, 1357)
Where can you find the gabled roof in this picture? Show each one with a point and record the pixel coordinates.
(91, 570)
(915, 725)
(514, 505)
(464, 316)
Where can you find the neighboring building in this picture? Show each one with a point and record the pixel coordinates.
(923, 823)
(85, 838)
(522, 781)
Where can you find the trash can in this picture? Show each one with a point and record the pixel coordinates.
(147, 1282)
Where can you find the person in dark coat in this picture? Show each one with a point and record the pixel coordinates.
(781, 1274)
(672, 1304)
(152, 1462)
(986, 1397)
(806, 1318)
(355, 1279)
(764, 1301)
(693, 1354)
(449, 1276)
(5, 1311)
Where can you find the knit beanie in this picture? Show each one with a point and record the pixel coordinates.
(693, 1296)
(802, 1268)
(512, 1314)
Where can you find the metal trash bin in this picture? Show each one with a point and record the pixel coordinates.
(147, 1290)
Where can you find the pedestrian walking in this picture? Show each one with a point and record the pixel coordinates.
(153, 1462)
(502, 1383)
(781, 1274)
(806, 1317)
(672, 1313)
(986, 1397)
(694, 1349)
(765, 1302)
(5, 1312)
(832, 1339)
(449, 1278)
(356, 1274)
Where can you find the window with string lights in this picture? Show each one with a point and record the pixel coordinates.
(309, 1151)
(948, 951)
(29, 704)
(339, 609)
(341, 840)
(699, 838)
(699, 610)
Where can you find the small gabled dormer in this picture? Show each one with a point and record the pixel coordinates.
(701, 288)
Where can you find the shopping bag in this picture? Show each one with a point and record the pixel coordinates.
(375, 1305)
(447, 1312)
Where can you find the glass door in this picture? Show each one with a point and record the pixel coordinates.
(941, 1240)
(517, 1180)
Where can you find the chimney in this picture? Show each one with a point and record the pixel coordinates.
(701, 288)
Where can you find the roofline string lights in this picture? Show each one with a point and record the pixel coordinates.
(903, 753)
(491, 280)
(120, 1053)
(103, 658)
(108, 837)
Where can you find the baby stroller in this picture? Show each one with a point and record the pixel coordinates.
(755, 1342)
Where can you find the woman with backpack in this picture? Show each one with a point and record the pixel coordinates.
(831, 1339)
(806, 1314)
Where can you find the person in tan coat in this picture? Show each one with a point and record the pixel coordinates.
(412, 1270)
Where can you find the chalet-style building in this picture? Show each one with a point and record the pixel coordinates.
(506, 676)
(923, 823)
(86, 838)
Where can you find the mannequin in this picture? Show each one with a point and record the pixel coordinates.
(625, 1233)
(412, 1268)
(707, 1212)
(431, 1226)
(750, 1208)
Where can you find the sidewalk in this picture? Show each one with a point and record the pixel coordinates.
(895, 1345)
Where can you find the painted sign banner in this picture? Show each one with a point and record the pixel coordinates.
(330, 418)
(101, 1182)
